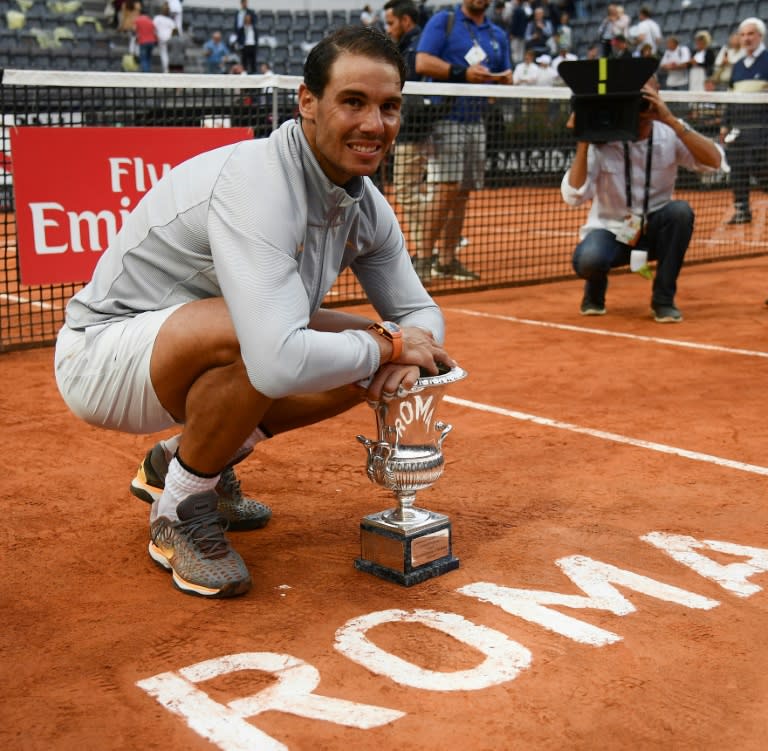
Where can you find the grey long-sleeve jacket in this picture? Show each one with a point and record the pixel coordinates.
(259, 224)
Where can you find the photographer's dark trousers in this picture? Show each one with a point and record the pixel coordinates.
(666, 238)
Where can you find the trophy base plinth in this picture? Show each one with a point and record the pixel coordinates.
(406, 553)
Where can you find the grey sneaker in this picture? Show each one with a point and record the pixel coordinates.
(740, 217)
(456, 270)
(196, 551)
(424, 267)
(592, 308)
(239, 512)
(666, 314)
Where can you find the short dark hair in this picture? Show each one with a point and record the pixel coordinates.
(357, 40)
(402, 8)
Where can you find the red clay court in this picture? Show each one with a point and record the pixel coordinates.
(606, 482)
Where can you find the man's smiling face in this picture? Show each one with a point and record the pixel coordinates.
(354, 123)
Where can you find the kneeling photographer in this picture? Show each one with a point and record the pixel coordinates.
(633, 218)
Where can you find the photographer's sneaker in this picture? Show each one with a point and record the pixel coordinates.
(240, 512)
(456, 270)
(740, 216)
(591, 308)
(666, 314)
(196, 551)
(424, 267)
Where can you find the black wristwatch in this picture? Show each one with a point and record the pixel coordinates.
(457, 74)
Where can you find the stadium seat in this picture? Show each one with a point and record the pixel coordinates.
(708, 18)
(61, 58)
(338, 18)
(300, 20)
(315, 35)
(727, 15)
(283, 20)
(319, 20)
(265, 21)
(746, 8)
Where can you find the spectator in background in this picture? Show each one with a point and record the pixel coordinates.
(728, 55)
(609, 28)
(546, 75)
(622, 22)
(564, 32)
(563, 55)
(702, 62)
(538, 32)
(653, 221)
(412, 144)
(499, 15)
(645, 50)
(459, 46)
(240, 15)
(551, 12)
(620, 47)
(424, 12)
(176, 12)
(520, 15)
(129, 12)
(646, 30)
(177, 51)
(526, 73)
(117, 6)
(216, 53)
(368, 16)
(247, 42)
(675, 63)
(593, 52)
(146, 40)
(744, 131)
(164, 28)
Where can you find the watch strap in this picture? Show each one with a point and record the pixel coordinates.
(390, 331)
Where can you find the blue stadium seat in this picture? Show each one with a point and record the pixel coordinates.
(338, 18)
(265, 21)
(727, 15)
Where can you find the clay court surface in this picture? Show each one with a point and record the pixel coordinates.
(607, 488)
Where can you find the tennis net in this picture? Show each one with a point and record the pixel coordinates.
(517, 229)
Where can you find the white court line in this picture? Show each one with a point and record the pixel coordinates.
(33, 303)
(619, 334)
(615, 437)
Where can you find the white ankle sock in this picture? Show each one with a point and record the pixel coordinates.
(171, 446)
(179, 484)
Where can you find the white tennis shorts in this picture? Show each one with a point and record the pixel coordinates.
(103, 373)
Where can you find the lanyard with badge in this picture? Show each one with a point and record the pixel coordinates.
(476, 53)
(634, 223)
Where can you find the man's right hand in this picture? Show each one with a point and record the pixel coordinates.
(420, 351)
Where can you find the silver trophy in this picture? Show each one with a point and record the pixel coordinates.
(407, 544)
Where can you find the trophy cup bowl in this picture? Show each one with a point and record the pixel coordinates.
(407, 544)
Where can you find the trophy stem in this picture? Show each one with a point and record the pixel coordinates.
(405, 513)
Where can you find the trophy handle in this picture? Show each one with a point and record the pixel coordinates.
(445, 428)
(377, 460)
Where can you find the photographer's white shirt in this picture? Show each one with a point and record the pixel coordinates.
(605, 184)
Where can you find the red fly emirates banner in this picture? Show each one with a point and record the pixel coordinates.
(74, 187)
